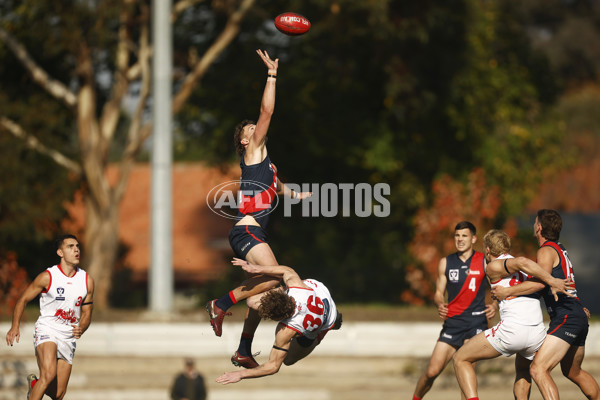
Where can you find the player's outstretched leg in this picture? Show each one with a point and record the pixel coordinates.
(216, 316)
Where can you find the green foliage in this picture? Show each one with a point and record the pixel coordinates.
(394, 92)
(405, 93)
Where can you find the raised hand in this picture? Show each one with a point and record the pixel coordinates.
(272, 65)
(246, 266)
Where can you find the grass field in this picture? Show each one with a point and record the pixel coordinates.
(318, 377)
(315, 378)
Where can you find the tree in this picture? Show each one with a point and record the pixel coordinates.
(105, 53)
(453, 201)
(13, 282)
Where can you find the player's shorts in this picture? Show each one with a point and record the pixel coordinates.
(456, 331)
(572, 328)
(65, 346)
(510, 338)
(306, 342)
(244, 237)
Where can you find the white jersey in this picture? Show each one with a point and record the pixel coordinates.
(60, 302)
(315, 309)
(523, 310)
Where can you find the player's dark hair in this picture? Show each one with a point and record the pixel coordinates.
(551, 223)
(276, 305)
(58, 242)
(237, 136)
(465, 225)
(498, 241)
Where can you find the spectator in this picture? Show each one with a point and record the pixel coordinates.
(189, 385)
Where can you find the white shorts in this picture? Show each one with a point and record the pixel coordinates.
(510, 338)
(65, 346)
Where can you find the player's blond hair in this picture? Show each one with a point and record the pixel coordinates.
(497, 241)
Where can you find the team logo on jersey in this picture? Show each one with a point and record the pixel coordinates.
(65, 316)
(60, 293)
(453, 275)
(471, 272)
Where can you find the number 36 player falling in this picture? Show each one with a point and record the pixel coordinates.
(304, 309)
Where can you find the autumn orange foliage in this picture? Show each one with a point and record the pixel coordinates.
(13, 281)
(453, 201)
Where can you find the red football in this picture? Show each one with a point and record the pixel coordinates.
(292, 24)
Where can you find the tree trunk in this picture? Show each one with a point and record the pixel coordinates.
(101, 240)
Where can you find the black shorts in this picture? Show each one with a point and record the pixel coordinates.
(244, 237)
(572, 328)
(456, 331)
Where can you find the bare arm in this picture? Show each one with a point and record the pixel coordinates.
(282, 189)
(283, 336)
(289, 276)
(36, 287)
(532, 268)
(267, 106)
(528, 287)
(440, 290)
(86, 310)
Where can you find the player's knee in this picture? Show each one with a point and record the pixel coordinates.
(47, 376)
(456, 358)
(536, 371)
(433, 371)
(253, 302)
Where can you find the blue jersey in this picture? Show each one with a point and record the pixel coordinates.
(466, 291)
(563, 270)
(258, 190)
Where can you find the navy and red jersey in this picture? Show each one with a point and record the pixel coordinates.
(466, 294)
(563, 270)
(258, 190)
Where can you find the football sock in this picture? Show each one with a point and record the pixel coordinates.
(416, 397)
(245, 348)
(225, 302)
(473, 398)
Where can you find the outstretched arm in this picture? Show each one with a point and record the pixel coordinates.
(286, 191)
(267, 106)
(289, 276)
(283, 336)
(532, 268)
(528, 287)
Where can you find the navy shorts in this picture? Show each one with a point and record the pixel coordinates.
(456, 331)
(244, 237)
(572, 328)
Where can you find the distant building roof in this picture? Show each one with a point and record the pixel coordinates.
(200, 243)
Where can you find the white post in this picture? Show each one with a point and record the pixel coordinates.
(160, 280)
